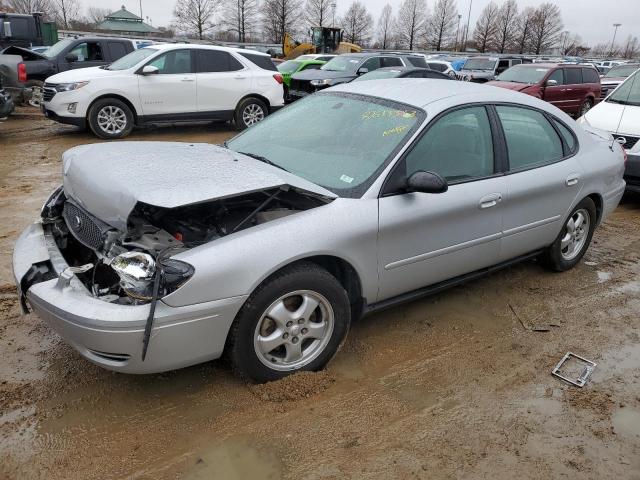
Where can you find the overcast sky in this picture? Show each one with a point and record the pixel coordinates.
(592, 19)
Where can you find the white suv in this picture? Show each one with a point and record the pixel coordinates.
(166, 83)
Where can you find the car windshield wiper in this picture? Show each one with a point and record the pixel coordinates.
(264, 160)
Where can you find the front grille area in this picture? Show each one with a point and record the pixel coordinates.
(83, 226)
(302, 86)
(631, 141)
(48, 92)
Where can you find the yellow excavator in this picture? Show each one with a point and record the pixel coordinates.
(323, 40)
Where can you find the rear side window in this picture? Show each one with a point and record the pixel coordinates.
(312, 66)
(569, 139)
(391, 62)
(589, 75)
(417, 62)
(263, 61)
(117, 50)
(531, 139)
(210, 61)
(572, 76)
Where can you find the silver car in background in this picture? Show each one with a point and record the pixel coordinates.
(155, 256)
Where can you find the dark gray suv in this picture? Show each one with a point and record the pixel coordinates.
(344, 68)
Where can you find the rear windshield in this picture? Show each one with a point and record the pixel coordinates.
(289, 66)
(528, 75)
(263, 61)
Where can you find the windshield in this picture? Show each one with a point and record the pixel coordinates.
(622, 71)
(342, 63)
(378, 74)
(628, 93)
(132, 59)
(342, 141)
(55, 50)
(480, 64)
(289, 66)
(527, 75)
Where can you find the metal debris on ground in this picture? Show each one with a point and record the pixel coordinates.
(580, 364)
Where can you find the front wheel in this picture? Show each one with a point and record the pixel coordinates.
(585, 107)
(574, 239)
(249, 112)
(110, 118)
(36, 92)
(296, 320)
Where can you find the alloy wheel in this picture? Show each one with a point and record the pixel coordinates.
(252, 114)
(294, 330)
(37, 95)
(576, 233)
(112, 120)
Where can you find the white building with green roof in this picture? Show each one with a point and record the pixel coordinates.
(124, 22)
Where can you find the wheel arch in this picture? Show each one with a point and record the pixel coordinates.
(599, 203)
(118, 97)
(257, 96)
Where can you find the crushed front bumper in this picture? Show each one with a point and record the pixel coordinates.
(108, 334)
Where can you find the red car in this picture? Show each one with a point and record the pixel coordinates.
(572, 88)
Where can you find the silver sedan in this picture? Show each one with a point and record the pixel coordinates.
(155, 256)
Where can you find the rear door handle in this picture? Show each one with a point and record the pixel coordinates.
(188, 80)
(240, 77)
(490, 200)
(572, 180)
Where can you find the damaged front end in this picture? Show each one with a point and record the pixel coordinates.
(134, 266)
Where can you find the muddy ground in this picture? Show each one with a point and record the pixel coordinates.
(453, 386)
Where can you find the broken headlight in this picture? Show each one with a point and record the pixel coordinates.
(52, 208)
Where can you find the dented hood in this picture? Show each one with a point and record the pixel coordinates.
(108, 179)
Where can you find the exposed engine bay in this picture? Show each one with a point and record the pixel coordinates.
(135, 266)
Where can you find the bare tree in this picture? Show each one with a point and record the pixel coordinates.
(28, 6)
(97, 15)
(195, 16)
(411, 22)
(486, 27)
(318, 12)
(631, 48)
(507, 26)
(357, 23)
(546, 27)
(386, 26)
(441, 25)
(240, 18)
(65, 12)
(280, 17)
(525, 26)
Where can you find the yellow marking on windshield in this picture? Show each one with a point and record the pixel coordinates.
(371, 114)
(395, 130)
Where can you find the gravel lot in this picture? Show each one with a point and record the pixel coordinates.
(453, 386)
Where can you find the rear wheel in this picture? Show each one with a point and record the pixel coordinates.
(574, 239)
(585, 107)
(110, 118)
(249, 112)
(296, 320)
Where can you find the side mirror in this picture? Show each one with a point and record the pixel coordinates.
(552, 83)
(149, 70)
(7, 30)
(362, 71)
(426, 182)
(71, 57)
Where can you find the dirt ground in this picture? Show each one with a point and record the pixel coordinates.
(453, 386)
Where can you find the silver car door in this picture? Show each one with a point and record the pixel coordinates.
(544, 179)
(427, 238)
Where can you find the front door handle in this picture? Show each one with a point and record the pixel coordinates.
(490, 200)
(572, 180)
(188, 80)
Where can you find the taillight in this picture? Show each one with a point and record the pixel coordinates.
(22, 72)
(278, 78)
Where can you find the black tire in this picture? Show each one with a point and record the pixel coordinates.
(306, 276)
(114, 103)
(553, 257)
(35, 98)
(250, 103)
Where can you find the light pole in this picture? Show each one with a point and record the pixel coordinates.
(458, 32)
(141, 9)
(466, 33)
(615, 31)
(333, 14)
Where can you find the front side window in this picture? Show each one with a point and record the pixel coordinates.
(88, 52)
(391, 62)
(558, 76)
(531, 139)
(364, 131)
(458, 147)
(173, 62)
(418, 62)
(372, 64)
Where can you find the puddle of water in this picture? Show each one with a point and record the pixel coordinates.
(236, 458)
(604, 277)
(629, 287)
(626, 421)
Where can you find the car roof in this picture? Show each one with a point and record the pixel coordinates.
(408, 91)
(401, 69)
(175, 46)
